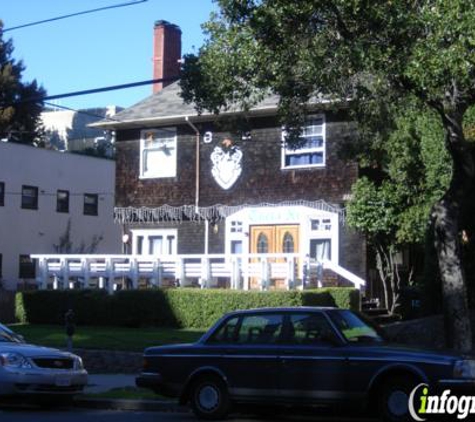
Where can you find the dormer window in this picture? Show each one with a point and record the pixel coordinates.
(158, 153)
(312, 152)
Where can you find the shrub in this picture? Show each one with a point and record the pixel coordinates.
(186, 308)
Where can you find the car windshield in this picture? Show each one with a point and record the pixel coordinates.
(7, 338)
(7, 335)
(354, 328)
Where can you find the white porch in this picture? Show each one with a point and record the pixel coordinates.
(237, 271)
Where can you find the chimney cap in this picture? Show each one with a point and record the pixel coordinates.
(162, 22)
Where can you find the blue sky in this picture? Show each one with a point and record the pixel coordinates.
(106, 48)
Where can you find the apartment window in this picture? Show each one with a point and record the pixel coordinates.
(320, 249)
(154, 242)
(311, 152)
(91, 204)
(62, 201)
(1, 266)
(27, 267)
(236, 226)
(29, 197)
(158, 153)
(236, 246)
(320, 224)
(2, 194)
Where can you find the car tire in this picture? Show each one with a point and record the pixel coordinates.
(394, 399)
(210, 398)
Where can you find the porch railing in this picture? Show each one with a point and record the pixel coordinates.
(242, 272)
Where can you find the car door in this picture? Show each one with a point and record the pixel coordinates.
(249, 350)
(312, 361)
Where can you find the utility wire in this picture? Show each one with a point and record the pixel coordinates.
(89, 91)
(74, 14)
(85, 112)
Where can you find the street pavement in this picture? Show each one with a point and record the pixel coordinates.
(105, 410)
(79, 415)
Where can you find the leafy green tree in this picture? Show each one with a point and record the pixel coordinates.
(392, 207)
(19, 119)
(360, 51)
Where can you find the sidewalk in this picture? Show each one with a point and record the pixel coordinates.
(101, 383)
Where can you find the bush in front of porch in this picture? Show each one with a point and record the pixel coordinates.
(181, 308)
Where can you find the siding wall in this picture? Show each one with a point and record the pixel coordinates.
(262, 179)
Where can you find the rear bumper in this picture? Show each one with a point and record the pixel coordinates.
(155, 382)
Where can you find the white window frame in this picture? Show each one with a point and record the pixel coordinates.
(170, 140)
(305, 150)
(146, 234)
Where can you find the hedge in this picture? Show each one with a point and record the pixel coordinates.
(185, 308)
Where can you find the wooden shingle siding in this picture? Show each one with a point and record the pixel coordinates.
(262, 179)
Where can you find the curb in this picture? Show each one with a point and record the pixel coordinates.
(122, 404)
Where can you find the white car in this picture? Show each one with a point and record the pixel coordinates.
(29, 370)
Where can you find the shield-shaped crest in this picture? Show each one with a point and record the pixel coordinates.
(226, 165)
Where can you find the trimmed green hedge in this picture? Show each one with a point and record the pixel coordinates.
(186, 308)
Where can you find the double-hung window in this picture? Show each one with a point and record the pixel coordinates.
(311, 151)
(91, 204)
(62, 201)
(158, 153)
(29, 197)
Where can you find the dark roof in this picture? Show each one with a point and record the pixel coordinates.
(167, 107)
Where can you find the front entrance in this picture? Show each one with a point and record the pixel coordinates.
(273, 239)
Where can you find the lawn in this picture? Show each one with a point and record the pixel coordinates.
(111, 338)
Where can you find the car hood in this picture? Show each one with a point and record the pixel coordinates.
(403, 352)
(30, 350)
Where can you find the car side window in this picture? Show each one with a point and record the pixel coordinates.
(310, 329)
(226, 334)
(261, 329)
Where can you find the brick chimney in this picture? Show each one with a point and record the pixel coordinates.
(166, 52)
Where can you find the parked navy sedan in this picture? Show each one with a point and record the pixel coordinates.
(304, 356)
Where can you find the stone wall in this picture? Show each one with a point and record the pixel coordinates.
(110, 361)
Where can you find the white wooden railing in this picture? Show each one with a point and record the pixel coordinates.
(242, 272)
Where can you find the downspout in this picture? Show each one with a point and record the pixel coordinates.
(197, 175)
(197, 181)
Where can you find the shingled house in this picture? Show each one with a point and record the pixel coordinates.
(188, 184)
(220, 200)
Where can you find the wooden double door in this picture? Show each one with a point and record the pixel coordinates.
(268, 239)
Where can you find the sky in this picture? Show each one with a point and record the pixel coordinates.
(105, 48)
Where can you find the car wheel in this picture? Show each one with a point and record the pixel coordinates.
(394, 399)
(210, 398)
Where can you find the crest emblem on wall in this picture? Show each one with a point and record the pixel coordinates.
(226, 165)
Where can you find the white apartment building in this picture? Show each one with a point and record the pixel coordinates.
(52, 202)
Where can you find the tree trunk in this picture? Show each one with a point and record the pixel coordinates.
(458, 331)
(446, 217)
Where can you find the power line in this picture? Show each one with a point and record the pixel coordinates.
(74, 14)
(89, 91)
(85, 112)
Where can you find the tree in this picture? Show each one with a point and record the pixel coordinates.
(19, 118)
(407, 170)
(356, 51)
